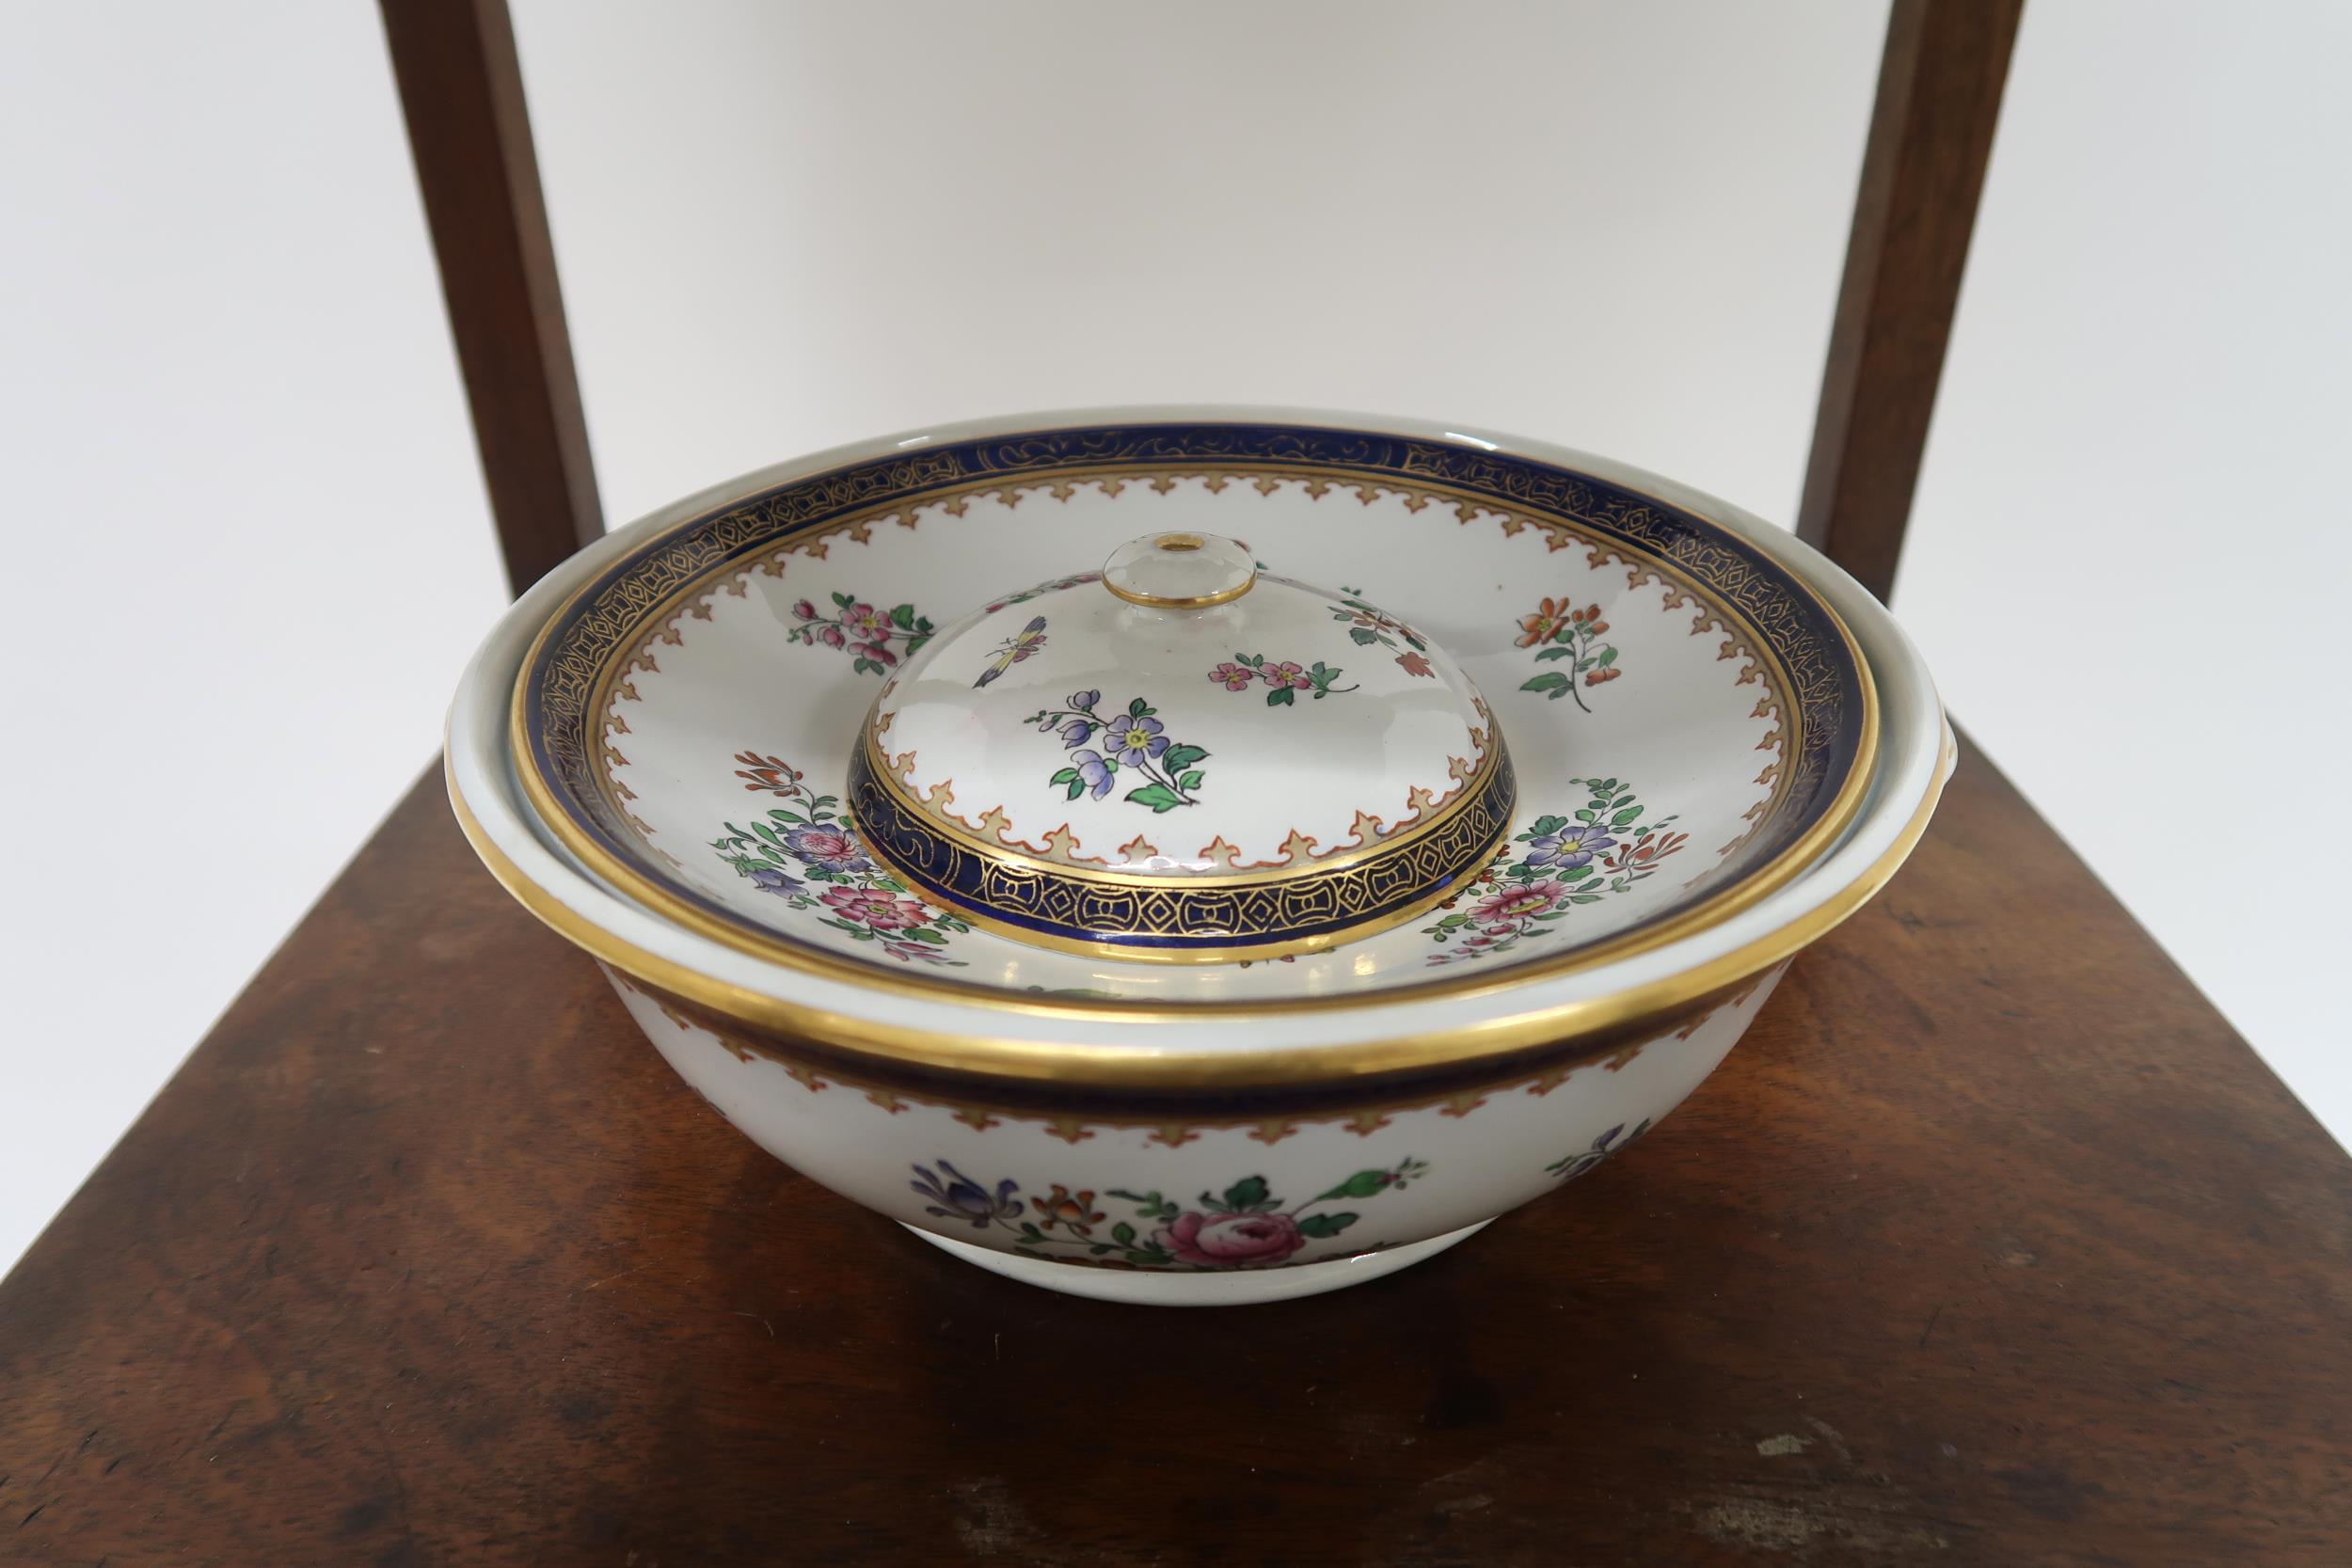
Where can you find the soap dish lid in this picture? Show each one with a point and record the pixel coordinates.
(1182, 757)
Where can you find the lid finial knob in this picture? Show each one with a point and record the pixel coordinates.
(1180, 571)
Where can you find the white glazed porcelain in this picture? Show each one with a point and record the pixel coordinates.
(1180, 758)
(1293, 1136)
(688, 723)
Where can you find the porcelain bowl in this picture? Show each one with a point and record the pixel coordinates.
(1199, 1153)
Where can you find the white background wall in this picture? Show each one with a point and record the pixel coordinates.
(228, 383)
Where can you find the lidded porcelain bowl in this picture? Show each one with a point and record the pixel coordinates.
(889, 857)
(1182, 757)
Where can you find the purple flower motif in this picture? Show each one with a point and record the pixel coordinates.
(1138, 739)
(1094, 772)
(960, 1198)
(768, 879)
(1570, 846)
(1084, 701)
(829, 847)
(1074, 735)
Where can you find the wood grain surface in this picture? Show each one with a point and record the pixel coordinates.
(1992, 1244)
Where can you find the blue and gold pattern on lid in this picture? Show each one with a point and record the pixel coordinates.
(1182, 757)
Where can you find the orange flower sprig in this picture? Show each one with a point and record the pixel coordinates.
(1565, 632)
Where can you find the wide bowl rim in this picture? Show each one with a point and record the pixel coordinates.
(1108, 1043)
(598, 599)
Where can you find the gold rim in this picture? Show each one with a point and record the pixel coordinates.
(1125, 1067)
(1197, 601)
(639, 888)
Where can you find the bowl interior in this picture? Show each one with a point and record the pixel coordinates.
(1691, 725)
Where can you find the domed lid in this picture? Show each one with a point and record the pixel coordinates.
(1182, 756)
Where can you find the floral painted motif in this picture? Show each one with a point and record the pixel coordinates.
(957, 1197)
(1601, 853)
(1243, 1228)
(864, 630)
(1136, 740)
(1569, 1166)
(807, 853)
(1013, 649)
(1284, 681)
(1368, 625)
(1567, 633)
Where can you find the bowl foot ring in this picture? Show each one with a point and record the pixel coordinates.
(1238, 1287)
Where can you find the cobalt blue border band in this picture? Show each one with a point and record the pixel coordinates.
(1824, 681)
(1173, 916)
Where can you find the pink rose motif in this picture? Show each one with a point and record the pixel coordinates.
(831, 635)
(876, 652)
(873, 906)
(1515, 903)
(1232, 1241)
(865, 622)
(804, 610)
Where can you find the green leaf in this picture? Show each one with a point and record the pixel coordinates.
(1065, 776)
(1148, 1259)
(1320, 1226)
(1549, 654)
(1077, 788)
(902, 616)
(1587, 815)
(924, 933)
(1363, 635)
(1281, 696)
(1247, 1193)
(843, 600)
(1584, 898)
(1123, 1233)
(1549, 825)
(1625, 816)
(1157, 795)
(1179, 757)
(1551, 685)
(863, 665)
(1608, 657)
(1136, 709)
(1191, 780)
(1458, 918)
(1364, 1183)
(1253, 660)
